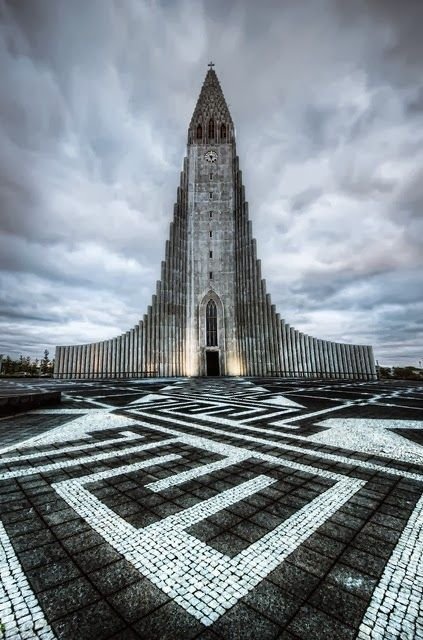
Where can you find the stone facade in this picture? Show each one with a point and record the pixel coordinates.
(211, 313)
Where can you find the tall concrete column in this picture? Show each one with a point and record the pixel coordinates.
(326, 358)
(351, 367)
(101, 360)
(339, 360)
(316, 358)
(330, 360)
(92, 359)
(86, 361)
(293, 352)
(289, 362)
(300, 348)
(280, 345)
(58, 362)
(78, 367)
(354, 361)
(130, 353)
(109, 358)
(73, 370)
(366, 362)
(311, 360)
(323, 373)
(360, 362)
(65, 358)
(95, 360)
(372, 363)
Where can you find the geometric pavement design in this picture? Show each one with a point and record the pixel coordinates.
(214, 508)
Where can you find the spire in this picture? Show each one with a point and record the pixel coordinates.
(211, 106)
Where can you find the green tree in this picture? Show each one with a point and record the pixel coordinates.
(45, 363)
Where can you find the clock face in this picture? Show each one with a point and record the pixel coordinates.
(211, 156)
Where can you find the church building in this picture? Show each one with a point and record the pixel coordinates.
(211, 314)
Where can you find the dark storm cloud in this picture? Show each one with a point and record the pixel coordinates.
(95, 102)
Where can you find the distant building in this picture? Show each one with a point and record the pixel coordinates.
(211, 314)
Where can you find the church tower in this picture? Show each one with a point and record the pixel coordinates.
(212, 335)
(211, 314)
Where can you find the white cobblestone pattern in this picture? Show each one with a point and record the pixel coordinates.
(201, 579)
(233, 452)
(76, 429)
(370, 435)
(396, 607)
(125, 436)
(20, 613)
(192, 474)
(278, 445)
(65, 464)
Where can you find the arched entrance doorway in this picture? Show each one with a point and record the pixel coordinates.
(212, 363)
(211, 335)
(212, 353)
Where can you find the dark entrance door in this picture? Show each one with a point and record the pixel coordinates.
(212, 363)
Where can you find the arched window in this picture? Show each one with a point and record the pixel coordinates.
(223, 132)
(211, 128)
(199, 132)
(211, 324)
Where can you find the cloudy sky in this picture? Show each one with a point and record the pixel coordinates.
(95, 101)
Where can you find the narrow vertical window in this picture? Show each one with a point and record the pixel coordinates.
(211, 214)
(199, 132)
(211, 176)
(223, 132)
(210, 254)
(210, 194)
(211, 234)
(211, 324)
(211, 129)
(211, 275)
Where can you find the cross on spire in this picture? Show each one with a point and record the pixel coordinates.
(211, 65)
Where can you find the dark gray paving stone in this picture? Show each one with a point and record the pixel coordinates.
(310, 561)
(53, 574)
(42, 556)
(125, 634)
(68, 529)
(294, 580)
(336, 602)
(225, 519)
(325, 545)
(114, 577)
(137, 600)
(266, 520)
(82, 541)
(28, 525)
(61, 600)
(273, 602)
(168, 622)
(248, 530)
(60, 517)
(97, 621)
(352, 580)
(204, 530)
(32, 540)
(228, 543)
(96, 557)
(208, 635)
(366, 563)
(243, 623)
(311, 624)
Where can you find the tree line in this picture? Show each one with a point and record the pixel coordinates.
(24, 365)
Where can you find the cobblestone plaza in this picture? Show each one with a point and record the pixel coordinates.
(213, 508)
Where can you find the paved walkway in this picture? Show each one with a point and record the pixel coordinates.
(214, 508)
